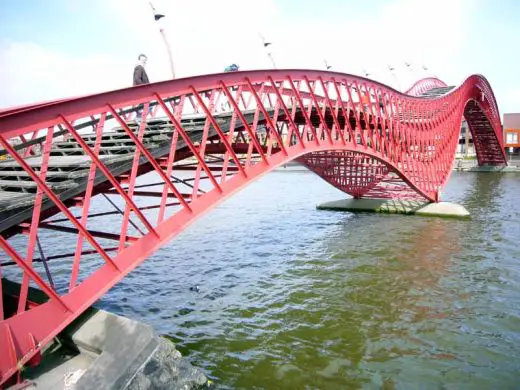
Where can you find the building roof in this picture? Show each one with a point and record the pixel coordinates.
(512, 121)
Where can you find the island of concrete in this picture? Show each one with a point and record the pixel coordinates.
(396, 206)
(101, 350)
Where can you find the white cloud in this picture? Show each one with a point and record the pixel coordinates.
(33, 73)
(508, 97)
(205, 36)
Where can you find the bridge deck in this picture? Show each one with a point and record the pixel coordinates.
(68, 166)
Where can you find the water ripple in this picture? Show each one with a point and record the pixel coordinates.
(268, 292)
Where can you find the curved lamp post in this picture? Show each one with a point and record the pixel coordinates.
(269, 54)
(157, 17)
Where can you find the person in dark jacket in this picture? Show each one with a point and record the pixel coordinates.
(140, 78)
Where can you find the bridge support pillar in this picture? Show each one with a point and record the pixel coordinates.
(396, 206)
(101, 350)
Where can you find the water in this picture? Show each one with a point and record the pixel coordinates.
(291, 297)
(268, 292)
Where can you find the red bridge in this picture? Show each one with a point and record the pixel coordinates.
(201, 140)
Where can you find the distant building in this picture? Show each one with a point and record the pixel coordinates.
(465, 148)
(511, 127)
(512, 133)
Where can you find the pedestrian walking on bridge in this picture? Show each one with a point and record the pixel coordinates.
(140, 78)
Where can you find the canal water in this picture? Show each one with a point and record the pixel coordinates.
(268, 292)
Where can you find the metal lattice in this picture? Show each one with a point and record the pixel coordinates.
(200, 140)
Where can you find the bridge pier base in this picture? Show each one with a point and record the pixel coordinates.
(101, 350)
(396, 206)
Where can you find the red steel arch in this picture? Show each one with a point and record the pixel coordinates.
(424, 85)
(205, 138)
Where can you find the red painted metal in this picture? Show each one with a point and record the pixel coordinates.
(424, 85)
(31, 273)
(86, 204)
(1, 300)
(361, 136)
(96, 160)
(35, 221)
(93, 233)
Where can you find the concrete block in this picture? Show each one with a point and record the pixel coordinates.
(115, 352)
(123, 346)
(392, 206)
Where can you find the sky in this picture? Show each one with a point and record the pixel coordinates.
(53, 49)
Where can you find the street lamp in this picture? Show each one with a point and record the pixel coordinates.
(428, 73)
(327, 66)
(392, 69)
(269, 54)
(157, 17)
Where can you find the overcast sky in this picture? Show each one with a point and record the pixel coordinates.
(57, 48)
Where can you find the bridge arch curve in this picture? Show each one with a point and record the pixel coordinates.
(202, 140)
(424, 85)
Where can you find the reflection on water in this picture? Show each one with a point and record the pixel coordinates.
(292, 297)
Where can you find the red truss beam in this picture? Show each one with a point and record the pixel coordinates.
(360, 136)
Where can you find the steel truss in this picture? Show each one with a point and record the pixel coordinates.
(202, 139)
